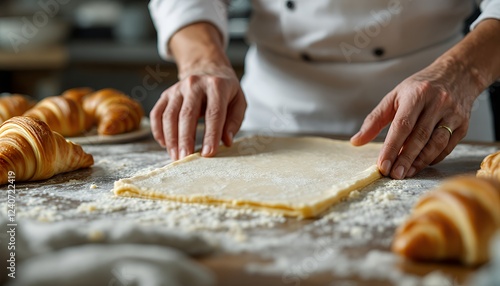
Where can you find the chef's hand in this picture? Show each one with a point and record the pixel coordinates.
(207, 86)
(417, 107)
(425, 105)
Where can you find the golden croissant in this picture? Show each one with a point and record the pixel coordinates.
(455, 222)
(114, 112)
(13, 105)
(63, 115)
(77, 94)
(490, 167)
(30, 150)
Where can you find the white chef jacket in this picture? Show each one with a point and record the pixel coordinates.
(320, 66)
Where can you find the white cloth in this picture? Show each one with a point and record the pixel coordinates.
(102, 253)
(359, 51)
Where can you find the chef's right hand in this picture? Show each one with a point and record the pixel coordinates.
(208, 87)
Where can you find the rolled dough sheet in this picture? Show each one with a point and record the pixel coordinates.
(298, 177)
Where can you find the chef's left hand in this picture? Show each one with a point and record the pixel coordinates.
(440, 95)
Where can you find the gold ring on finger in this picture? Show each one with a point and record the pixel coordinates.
(447, 128)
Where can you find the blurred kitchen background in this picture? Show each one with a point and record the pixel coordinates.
(47, 46)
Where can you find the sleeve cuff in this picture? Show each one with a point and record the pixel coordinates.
(170, 16)
(490, 10)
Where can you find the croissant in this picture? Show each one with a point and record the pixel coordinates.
(114, 112)
(77, 94)
(13, 105)
(33, 152)
(63, 115)
(455, 222)
(490, 167)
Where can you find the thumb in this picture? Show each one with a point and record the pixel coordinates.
(374, 122)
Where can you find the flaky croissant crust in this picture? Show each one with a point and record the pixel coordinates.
(77, 94)
(13, 105)
(455, 222)
(490, 167)
(63, 115)
(114, 112)
(34, 152)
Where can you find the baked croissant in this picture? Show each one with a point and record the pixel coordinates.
(63, 115)
(13, 105)
(114, 112)
(33, 152)
(455, 222)
(490, 167)
(77, 94)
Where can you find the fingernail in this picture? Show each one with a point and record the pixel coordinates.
(230, 135)
(173, 154)
(183, 154)
(386, 167)
(411, 172)
(206, 150)
(399, 172)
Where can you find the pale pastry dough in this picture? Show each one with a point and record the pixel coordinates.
(294, 176)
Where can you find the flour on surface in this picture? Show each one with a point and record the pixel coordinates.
(294, 249)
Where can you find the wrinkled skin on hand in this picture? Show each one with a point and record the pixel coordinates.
(439, 95)
(212, 92)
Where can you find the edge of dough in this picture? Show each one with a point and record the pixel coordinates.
(125, 187)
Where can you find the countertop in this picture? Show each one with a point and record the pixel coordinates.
(348, 245)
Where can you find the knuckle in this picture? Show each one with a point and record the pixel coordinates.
(172, 141)
(374, 116)
(170, 114)
(406, 159)
(444, 99)
(391, 148)
(402, 125)
(212, 136)
(420, 163)
(192, 79)
(214, 113)
(186, 140)
(216, 81)
(440, 140)
(426, 157)
(188, 112)
(422, 134)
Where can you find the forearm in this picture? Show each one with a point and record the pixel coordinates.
(478, 54)
(196, 46)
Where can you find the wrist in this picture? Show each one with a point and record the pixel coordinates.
(198, 46)
(476, 57)
(465, 72)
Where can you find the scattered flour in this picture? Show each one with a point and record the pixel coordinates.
(295, 249)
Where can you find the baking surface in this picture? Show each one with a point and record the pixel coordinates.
(350, 242)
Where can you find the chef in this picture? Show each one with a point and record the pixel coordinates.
(331, 66)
